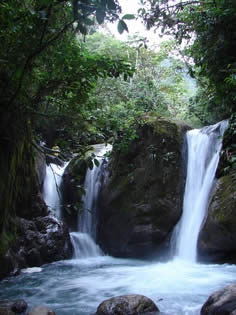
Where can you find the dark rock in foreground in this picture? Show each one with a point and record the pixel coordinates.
(142, 199)
(39, 240)
(72, 192)
(12, 307)
(217, 239)
(222, 302)
(133, 304)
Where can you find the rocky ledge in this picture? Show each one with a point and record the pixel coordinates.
(39, 239)
(142, 199)
(222, 302)
(133, 304)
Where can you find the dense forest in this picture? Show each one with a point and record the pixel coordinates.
(65, 81)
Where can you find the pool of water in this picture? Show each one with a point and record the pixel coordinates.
(79, 286)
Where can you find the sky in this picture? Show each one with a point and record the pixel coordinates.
(131, 7)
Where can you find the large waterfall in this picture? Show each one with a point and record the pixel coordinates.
(84, 240)
(203, 146)
(178, 287)
(51, 187)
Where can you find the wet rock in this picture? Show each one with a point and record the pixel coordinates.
(39, 241)
(133, 304)
(54, 160)
(41, 310)
(72, 190)
(40, 168)
(217, 239)
(19, 306)
(12, 307)
(222, 302)
(141, 200)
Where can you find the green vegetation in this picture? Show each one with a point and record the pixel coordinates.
(63, 82)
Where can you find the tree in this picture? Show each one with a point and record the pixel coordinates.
(207, 28)
(43, 71)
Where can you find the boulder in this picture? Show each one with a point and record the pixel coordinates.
(141, 200)
(39, 240)
(41, 310)
(8, 307)
(72, 190)
(217, 239)
(133, 304)
(222, 302)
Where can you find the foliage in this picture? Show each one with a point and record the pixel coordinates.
(45, 77)
(159, 84)
(208, 28)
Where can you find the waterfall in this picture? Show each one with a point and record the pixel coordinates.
(203, 147)
(84, 240)
(51, 187)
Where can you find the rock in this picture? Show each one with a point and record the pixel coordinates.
(222, 302)
(54, 160)
(12, 307)
(72, 190)
(141, 200)
(217, 239)
(41, 310)
(39, 241)
(40, 168)
(19, 306)
(133, 304)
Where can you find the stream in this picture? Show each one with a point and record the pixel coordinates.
(180, 286)
(78, 286)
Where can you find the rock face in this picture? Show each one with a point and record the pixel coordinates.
(217, 240)
(142, 199)
(73, 179)
(40, 239)
(222, 302)
(12, 307)
(128, 305)
(40, 168)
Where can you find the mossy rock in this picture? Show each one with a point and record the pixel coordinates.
(142, 198)
(72, 190)
(218, 237)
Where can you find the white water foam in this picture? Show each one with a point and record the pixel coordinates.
(204, 146)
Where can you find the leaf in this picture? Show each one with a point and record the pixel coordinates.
(100, 16)
(128, 17)
(90, 164)
(82, 29)
(111, 5)
(96, 162)
(88, 21)
(122, 26)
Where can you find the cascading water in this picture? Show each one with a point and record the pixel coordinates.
(51, 187)
(78, 286)
(204, 146)
(84, 240)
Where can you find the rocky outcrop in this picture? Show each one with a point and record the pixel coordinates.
(40, 168)
(39, 239)
(142, 198)
(8, 307)
(129, 305)
(222, 302)
(217, 240)
(72, 190)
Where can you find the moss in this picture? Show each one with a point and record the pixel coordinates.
(224, 201)
(18, 183)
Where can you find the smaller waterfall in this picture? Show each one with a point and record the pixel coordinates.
(204, 146)
(84, 240)
(51, 187)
